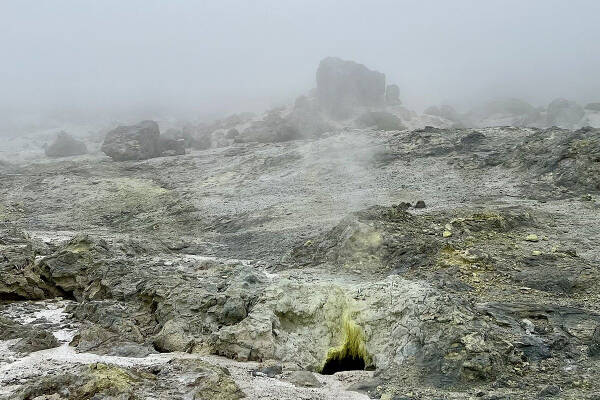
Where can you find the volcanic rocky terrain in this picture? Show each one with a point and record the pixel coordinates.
(306, 255)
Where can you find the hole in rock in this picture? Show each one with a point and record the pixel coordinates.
(347, 363)
(352, 354)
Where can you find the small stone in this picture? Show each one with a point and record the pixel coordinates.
(548, 391)
(420, 204)
(269, 368)
(532, 237)
(303, 378)
(536, 253)
(447, 234)
(527, 325)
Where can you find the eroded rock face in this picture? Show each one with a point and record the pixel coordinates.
(392, 321)
(20, 277)
(343, 85)
(134, 142)
(65, 145)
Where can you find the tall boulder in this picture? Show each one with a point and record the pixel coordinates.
(564, 113)
(343, 85)
(133, 142)
(65, 145)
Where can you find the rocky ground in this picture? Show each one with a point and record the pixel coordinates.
(259, 269)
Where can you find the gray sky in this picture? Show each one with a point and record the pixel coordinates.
(113, 57)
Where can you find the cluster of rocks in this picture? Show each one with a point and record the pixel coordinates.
(515, 112)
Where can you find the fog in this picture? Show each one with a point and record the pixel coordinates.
(104, 60)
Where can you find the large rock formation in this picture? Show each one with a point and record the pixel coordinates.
(343, 85)
(65, 145)
(133, 142)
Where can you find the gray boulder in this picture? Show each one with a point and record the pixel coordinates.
(133, 142)
(564, 113)
(171, 147)
(65, 145)
(343, 85)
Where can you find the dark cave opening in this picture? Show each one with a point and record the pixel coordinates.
(347, 363)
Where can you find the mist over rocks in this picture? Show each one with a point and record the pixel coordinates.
(392, 95)
(66, 145)
(564, 113)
